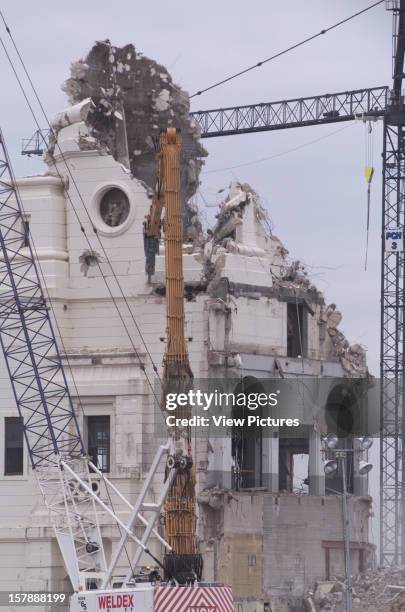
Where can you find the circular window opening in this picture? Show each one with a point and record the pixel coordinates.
(114, 207)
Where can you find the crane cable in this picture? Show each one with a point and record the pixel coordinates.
(291, 48)
(368, 174)
(85, 208)
(280, 154)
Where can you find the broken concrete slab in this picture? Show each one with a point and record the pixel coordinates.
(126, 87)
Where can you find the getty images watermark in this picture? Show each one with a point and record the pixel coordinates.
(238, 402)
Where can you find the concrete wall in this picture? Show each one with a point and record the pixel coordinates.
(287, 536)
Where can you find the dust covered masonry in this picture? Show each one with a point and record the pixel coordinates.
(204, 401)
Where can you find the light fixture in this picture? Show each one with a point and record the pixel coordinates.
(365, 442)
(364, 467)
(330, 466)
(331, 441)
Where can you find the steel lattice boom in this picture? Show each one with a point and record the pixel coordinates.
(317, 110)
(392, 450)
(268, 116)
(392, 353)
(41, 392)
(28, 339)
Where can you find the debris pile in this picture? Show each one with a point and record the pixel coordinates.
(243, 227)
(224, 238)
(295, 275)
(351, 356)
(132, 99)
(232, 212)
(379, 590)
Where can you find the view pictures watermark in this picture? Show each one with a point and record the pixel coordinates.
(274, 406)
(217, 400)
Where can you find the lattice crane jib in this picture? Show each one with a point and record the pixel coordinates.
(41, 393)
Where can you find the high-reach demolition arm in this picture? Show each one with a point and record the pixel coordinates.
(180, 508)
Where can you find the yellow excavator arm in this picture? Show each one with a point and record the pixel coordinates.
(184, 562)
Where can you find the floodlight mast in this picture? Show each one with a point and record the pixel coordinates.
(331, 442)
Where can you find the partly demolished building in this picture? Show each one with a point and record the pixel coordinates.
(251, 314)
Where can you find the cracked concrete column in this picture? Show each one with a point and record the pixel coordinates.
(270, 462)
(315, 465)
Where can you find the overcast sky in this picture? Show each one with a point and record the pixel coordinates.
(316, 196)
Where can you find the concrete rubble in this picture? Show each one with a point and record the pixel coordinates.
(379, 590)
(284, 273)
(352, 356)
(223, 238)
(132, 99)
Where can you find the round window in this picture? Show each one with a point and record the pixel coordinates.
(114, 207)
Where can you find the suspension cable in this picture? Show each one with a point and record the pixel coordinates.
(291, 48)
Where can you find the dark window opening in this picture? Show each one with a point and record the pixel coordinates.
(26, 230)
(246, 441)
(13, 447)
(98, 428)
(296, 330)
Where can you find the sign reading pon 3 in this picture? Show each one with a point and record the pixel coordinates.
(394, 240)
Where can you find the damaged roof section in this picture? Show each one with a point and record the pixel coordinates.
(125, 85)
(243, 228)
(123, 100)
